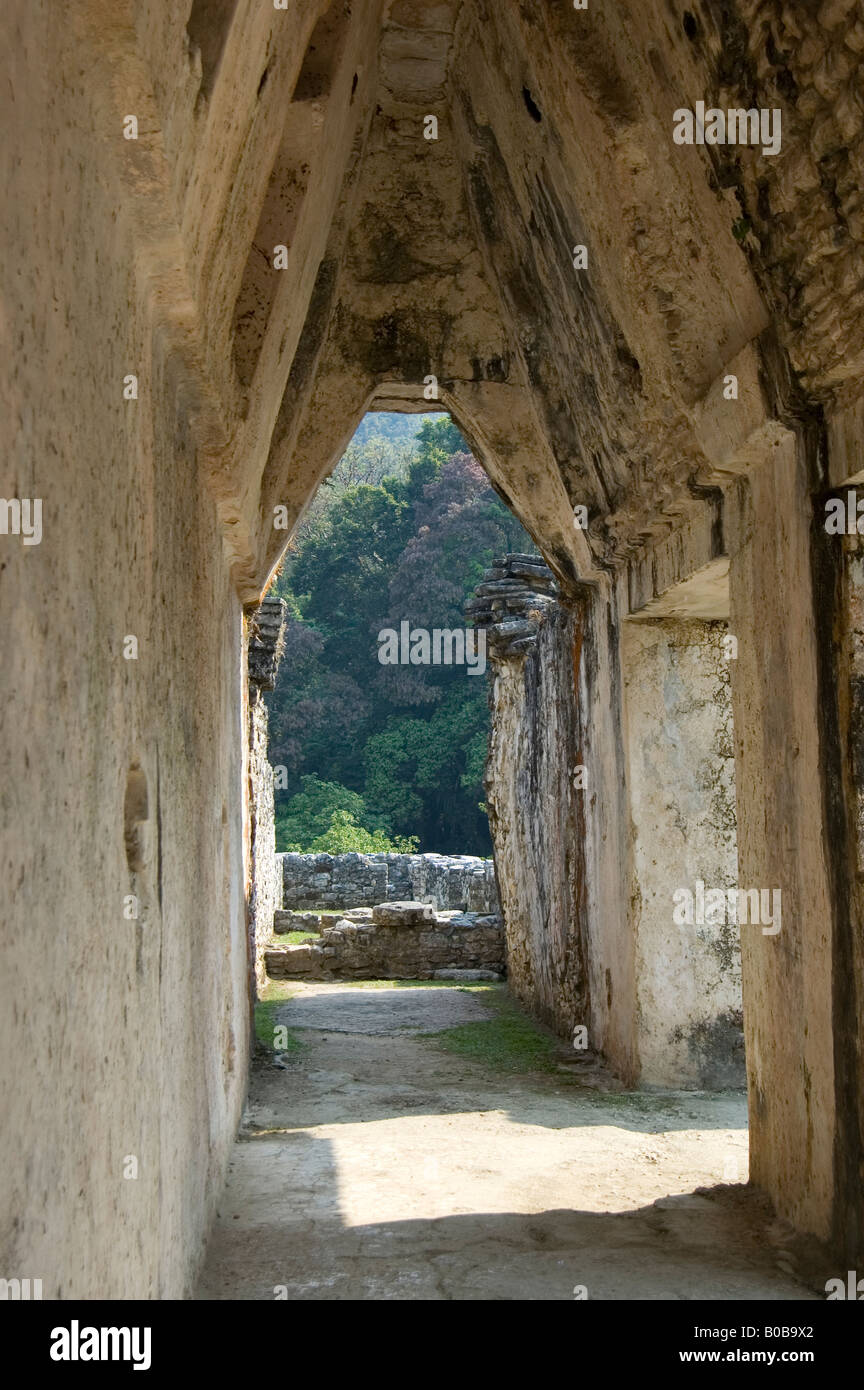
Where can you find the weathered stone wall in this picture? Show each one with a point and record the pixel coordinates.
(847, 766)
(397, 941)
(265, 891)
(362, 880)
(661, 1002)
(554, 780)
(784, 729)
(124, 994)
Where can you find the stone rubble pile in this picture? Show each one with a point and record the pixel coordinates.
(284, 922)
(396, 941)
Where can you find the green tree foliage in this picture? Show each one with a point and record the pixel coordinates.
(396, 751)
(427, 772)
(324, 817)
(310, 811)
(369, 459)
(344, 835)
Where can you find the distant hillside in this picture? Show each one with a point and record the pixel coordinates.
(392, 425)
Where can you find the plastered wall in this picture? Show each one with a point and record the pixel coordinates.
(681, 774)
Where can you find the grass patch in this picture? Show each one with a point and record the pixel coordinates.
(275, 993)
(265, 1029)
(279, 991)
(510, 1041)
(294, 938)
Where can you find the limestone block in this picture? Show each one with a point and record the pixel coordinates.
(283, 962)
(854, 37)
(284, 921)
(834, 12)
(402, 914)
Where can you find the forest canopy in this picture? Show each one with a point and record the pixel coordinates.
(385, 757)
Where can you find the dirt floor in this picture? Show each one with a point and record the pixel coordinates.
(433, 1143)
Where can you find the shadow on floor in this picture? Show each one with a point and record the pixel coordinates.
(377, 1165)
(688, 1247)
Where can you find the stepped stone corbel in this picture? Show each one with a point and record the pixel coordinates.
(266, 642)
(517, 595)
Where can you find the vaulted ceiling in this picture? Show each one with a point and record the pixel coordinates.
(597, 384)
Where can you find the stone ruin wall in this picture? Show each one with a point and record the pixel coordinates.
(131, 1038)
(406, 917)
(534, 815)
(265, 894)
(364, 880)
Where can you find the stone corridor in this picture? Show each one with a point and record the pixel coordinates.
(231, 229)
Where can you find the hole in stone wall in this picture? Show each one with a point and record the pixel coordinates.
(208, 25)
(691, 25)
(531, 106)
(135, 814)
